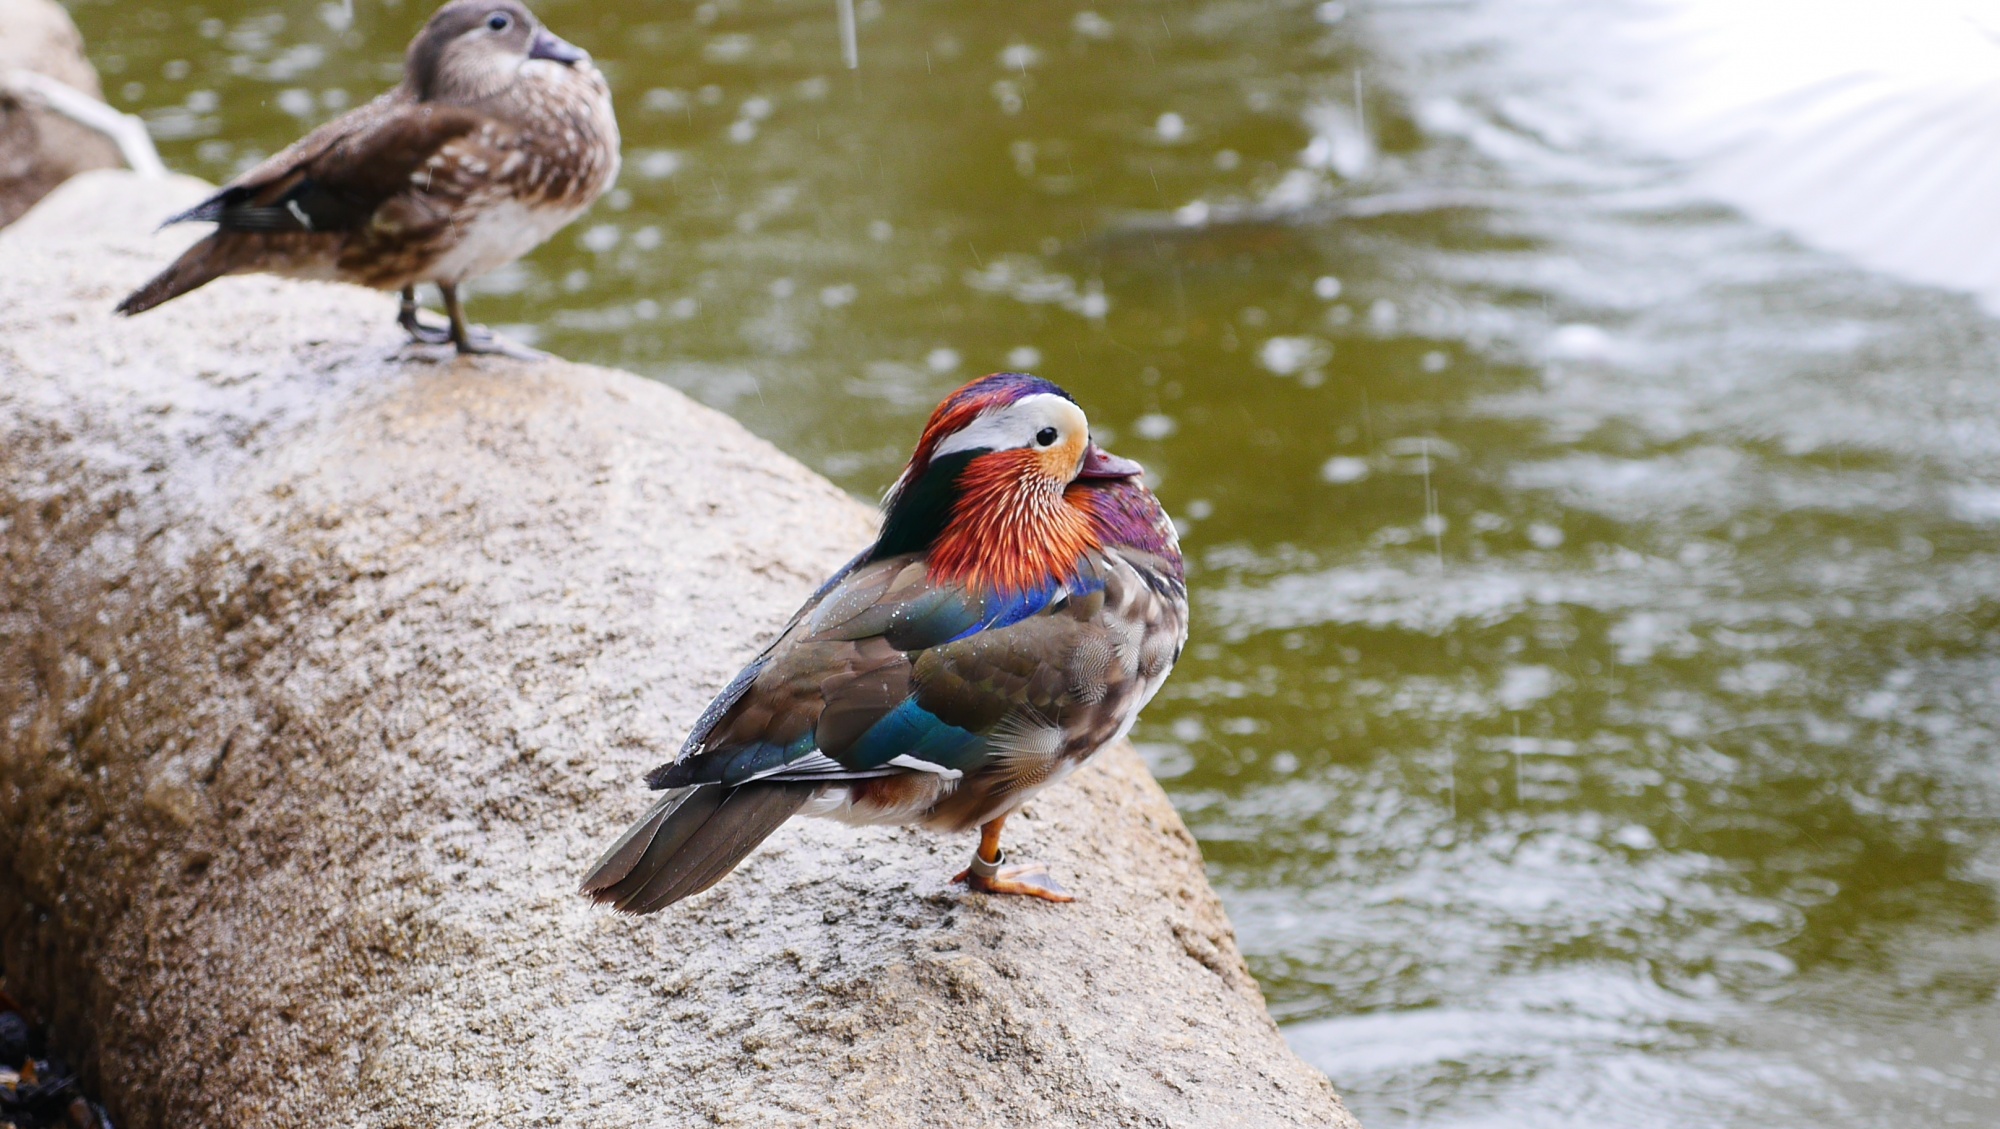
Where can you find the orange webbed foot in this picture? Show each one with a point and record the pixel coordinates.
(1029, 878)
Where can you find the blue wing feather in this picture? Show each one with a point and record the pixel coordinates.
(913, 731)
(938, 615)
(760, 759)
(1007, 609)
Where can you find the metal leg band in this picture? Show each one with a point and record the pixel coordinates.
(980, 868)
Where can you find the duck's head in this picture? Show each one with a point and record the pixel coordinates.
(992, 466)
(474, 49)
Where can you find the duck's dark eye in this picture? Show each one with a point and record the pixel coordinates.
(498, 21)
(1046, 436)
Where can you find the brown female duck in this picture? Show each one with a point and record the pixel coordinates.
(499, 134)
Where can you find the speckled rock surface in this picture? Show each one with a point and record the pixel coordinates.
(40, 149)
(327, 667)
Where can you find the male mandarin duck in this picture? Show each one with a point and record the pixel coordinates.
(1024, 601)
(499, 134)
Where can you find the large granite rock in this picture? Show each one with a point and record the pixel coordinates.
(327, 667)
(40, 148)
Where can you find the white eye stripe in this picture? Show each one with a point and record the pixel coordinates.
(1015, 425)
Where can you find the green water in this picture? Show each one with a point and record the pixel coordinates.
(1590, 717)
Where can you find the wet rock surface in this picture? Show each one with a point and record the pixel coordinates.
(327, 666)
(40, 149)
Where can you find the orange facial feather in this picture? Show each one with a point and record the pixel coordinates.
(1012, 528)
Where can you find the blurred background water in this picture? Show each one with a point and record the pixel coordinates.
(1590, 718)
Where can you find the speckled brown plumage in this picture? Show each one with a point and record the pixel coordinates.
(499, 134)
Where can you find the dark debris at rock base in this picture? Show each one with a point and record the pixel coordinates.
(37, 1092)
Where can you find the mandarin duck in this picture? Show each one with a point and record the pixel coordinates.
(499, 134)
(1023, 602)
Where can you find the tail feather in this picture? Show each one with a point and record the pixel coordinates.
(198, 266)
(691, 839)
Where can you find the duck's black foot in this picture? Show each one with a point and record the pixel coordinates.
(427, 334)
(409, 317)
(477, 341)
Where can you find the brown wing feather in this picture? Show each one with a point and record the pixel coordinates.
(322, 205)
(975, 682)
(359, 120)
(875, 680)
(345, 183)
(688, 842)
(831, 670)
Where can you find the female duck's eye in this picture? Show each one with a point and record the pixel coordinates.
(498, 21)
(1046, 436)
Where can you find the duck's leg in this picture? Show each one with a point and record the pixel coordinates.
(987, 873)
(477, 338)
(406, 316)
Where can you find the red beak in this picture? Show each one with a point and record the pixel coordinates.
(1100, 463)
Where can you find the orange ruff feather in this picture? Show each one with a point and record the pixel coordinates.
(1012, 529)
